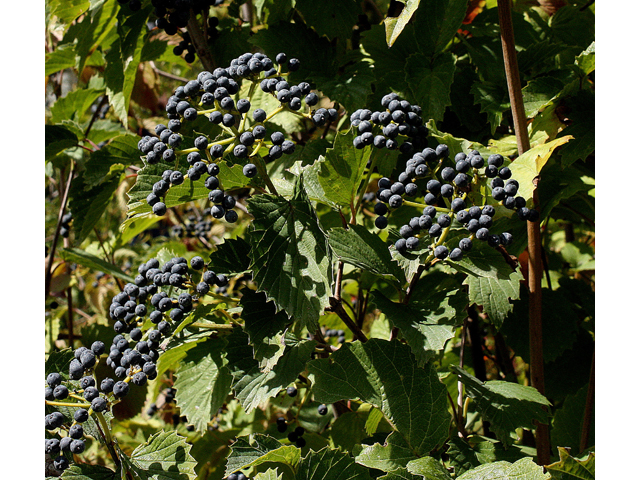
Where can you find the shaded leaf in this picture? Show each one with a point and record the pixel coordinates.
(122, 150)
(567, 422)
(56, 139)
(231, 257)
(91, 261)
(74, 104)
(256, 449)
(289, 255)
(438, 21)
(571, 468)
(493, 100)
(385, 374)
(329, 463)
(506, 405)
(84, 471)
(333, 18)
(430, 83)
(480, 450)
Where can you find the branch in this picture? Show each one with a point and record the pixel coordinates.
(200, 42)
(337, 308)
(543, 446)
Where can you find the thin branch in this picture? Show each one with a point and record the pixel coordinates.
(54, 243)
(337, 308)
(104, 100)
(200, 42)
(168, 75)
(543, 446)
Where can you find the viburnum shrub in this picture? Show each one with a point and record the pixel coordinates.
(279, 266)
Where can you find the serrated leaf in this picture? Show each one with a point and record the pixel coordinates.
(121, 150)
(569, 467)
(289, 255)
(256, 449)
(351, 84)
(438, 21)
(271, 474)
(203, 382)
(363, 249)
(348, 430)
(393, 26)
(231, 257)
(165, 456)
(58, 361)
(394, 454)
(63, 57)
(523, 469)
(528, 165)
(56, 139)
(68, 10)
(428, 468)
(74, 104)
(586, 61)
(582, 128)
(430, 83)
(385, 374)
(465, 456)
(493, 100)
(328, 463)
(265, 328)
(255, 387)
(84, 471)
(427, 324)
(91, 261)
(89, 204)
(342, 169)
(506, 405)
(539, 93)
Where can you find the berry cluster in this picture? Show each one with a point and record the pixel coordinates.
(332, 332)
(383, 129)
(194, 226)
(65, 225)
(295, 436)
(445, 187)
(134, 353)
(244, 132)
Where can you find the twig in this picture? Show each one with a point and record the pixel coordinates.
(412, 284)
(104, 100)
(543, 446)
(54, 243)
(337, 308)
(168, 75)
(200, 43)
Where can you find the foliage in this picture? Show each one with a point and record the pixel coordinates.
(313, 303)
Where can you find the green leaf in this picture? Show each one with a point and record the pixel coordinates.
(56, 139)
(203, 382)
(91, 261)
(68, 10)
(528, 165)
(89, 204)
(394, 454)
(348, 430)
(523, 469)
(430, 82)
(506, 405)
(123, 60)
(582, 128)
(465, 456)
(493, 100)
(428, 468)
(393, 26)
(571, 468)
(351, 84)
(122, 150)
(165, 456)
(74, 104)
(273, 11)
(265, 328)
(426, 324)
(95, 33)
(256, 449)
(385, 374)
(289, 255)
(329, 463)
(231, 257)
(63, 57)
(333, 18)
(492, 282)
(84, 471)
(363, 249)
(256, 387)
(539, 93)
(438, 21)
(586, 61)
(58, 361)
(270, 474)
(342, 169)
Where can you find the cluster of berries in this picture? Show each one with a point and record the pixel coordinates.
(133, 354)
(383, 129)
(295, 436)
(445, 186)
(212, 95)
